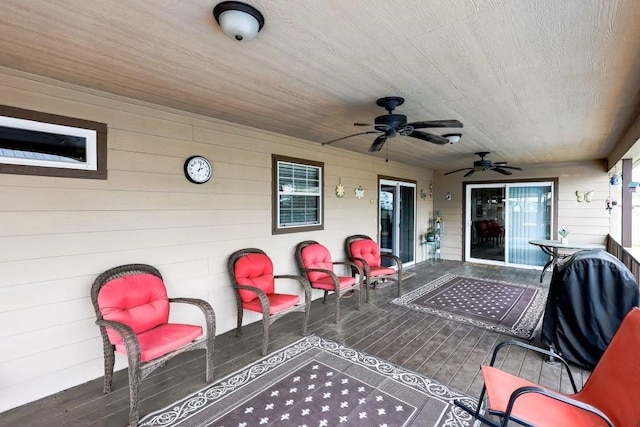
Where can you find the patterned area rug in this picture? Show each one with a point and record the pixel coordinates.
(318, 382)
(498, 306)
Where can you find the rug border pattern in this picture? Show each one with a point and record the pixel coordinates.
(181, 410)
(524, 328)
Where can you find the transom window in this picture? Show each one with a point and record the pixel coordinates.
(297, 195)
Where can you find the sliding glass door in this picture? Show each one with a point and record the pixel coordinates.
(397, 215)
(529, 214)
(502, 218)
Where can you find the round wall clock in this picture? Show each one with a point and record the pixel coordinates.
(197, 169)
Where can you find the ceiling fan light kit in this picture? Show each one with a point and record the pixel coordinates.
(238, 20)
(391, 125)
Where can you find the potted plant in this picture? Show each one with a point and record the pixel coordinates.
(564, 236)
(430, 235)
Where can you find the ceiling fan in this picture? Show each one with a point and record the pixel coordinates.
(483, 165)
(391, 125)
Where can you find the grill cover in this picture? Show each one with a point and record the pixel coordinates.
(590, 293)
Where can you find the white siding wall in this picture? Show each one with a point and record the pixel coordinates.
(57, 234)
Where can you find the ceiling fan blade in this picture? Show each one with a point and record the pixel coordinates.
(435, 139)
(436, 124)
(349, 136)
(378, 143)
(502, 171)
(510, 167)
(363, 124)
(471, 172)
(457, 170)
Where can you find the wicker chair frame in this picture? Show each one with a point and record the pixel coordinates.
(358, 285)
(371, 281)
(267, 319)
(139, 370)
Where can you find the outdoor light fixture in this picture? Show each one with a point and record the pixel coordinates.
(238, 20)
(452, 137)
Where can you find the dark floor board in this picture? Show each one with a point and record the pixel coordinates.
(469, 370)
(457, 358)
(445, 350)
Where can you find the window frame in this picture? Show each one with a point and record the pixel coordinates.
(94, 134)
(276, 160)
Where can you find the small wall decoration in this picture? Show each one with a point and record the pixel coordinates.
(340, 191)
(615, 179)
(359, 192)
(584, 197)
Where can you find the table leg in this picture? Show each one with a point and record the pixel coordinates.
(553, 253)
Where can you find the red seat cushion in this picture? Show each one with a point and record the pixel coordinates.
(366, 249)
(254, 270)
(327, 283)
(277, 303)
(381, 271)
(138, 300)
(163, 339)
(536, 409)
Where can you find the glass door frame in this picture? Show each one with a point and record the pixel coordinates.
(397, 244)
(468, 222)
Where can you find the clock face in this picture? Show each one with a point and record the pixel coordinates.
(197, 169)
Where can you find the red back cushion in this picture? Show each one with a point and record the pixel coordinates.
(254, 270)
(316, 256)
(367, 250)
(138, 300)
(614, 384)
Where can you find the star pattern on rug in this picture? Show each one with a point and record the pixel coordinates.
(317, 395)
(478, 298)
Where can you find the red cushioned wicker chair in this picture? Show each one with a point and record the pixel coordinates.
(365, 252)
(251, 272)
(610, 397)
(315, 263)
(132, 310)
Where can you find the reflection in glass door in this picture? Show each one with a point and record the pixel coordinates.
(501, 219)
(397, 219)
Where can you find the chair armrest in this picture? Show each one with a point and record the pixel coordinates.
(352, 264)
(365, 265)
(129, 337)
(395, 258)
(552, 395)
(304, 282)
(207, 310)
(539, 350)
(336, 282)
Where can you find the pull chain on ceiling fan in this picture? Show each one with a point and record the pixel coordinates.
(391, 125)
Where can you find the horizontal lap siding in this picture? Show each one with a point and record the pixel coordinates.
(57, 234)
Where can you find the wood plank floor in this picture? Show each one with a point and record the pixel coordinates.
(447, 351)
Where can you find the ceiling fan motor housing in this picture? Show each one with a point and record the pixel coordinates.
(393, 121)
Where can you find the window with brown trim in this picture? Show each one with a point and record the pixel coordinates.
(297, 193)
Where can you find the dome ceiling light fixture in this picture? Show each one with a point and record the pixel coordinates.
(238, 20)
